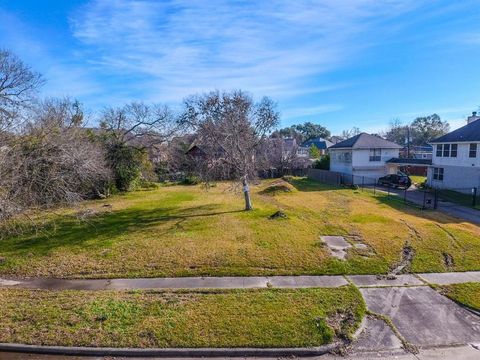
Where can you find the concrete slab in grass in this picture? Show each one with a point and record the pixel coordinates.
(307, 281)
(423, 316)
(451, 278)
(375, 280)
(337, 245)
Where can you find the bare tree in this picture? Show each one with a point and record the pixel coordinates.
(232, 127)
(281, 155)
(349, 133)
(51, 161)
(139, 124)
(18, 86)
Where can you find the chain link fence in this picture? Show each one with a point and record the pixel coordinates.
(469, 197)
(418, 197)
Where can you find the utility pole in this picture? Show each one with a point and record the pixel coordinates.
(408, 142)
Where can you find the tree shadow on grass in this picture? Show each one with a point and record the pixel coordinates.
(102, 230)
(306, 184)
(398, 203)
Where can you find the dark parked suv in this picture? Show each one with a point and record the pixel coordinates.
(394, 180)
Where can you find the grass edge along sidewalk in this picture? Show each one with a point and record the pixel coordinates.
(266, 318)
(467, 294)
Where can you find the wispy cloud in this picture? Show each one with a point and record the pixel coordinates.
(469, 38)
(300, 112)
(64, 77)
(175, 48)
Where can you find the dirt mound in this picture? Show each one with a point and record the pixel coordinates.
(279, 187)
(278, 215)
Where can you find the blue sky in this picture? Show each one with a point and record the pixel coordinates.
(338, 63)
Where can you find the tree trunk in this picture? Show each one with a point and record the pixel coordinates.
(246, 193)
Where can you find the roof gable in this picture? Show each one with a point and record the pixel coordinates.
(366, 141)
(320, 143)
(469, 132)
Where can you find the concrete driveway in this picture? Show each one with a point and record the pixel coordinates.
(417, 197)
(424, 317)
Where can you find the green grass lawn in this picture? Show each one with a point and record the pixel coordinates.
(228, 318)
(417, 179)
(460, 198)
(467, 294)
(187, 231)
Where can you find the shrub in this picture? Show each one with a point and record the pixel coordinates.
(146, 184)
(323, 163)
(190, 180)
(127, 163)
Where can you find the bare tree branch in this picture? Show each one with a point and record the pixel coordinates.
(231, 128)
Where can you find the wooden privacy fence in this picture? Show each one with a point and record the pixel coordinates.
(325, 176)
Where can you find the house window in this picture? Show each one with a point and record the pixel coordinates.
(473, 151)
(439, 150)
(446, 150)
(343, 157)
(375, 154)
(453, 150)
(438, 174)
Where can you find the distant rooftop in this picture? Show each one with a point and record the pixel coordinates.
(410, 161)
(365, 141)
(320, 143)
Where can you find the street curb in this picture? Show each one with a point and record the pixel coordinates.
(170, 352)
(361, 328)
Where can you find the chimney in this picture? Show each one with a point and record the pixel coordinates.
(473, 118)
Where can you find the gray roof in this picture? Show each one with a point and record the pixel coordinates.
(320, 143)
(469, 132)
(365, 141)
(410, 161)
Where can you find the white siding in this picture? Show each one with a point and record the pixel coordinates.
(455, 177)
(361, 166)
(338, 162)
(462, 158)
(459, 172)
(361, 158)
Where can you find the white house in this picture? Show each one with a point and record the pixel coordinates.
(365, 157)
(456, 158)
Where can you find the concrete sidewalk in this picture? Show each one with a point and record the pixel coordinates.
(179, 283)
(451, 278)
(233, 282)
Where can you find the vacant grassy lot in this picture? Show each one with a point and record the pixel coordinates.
(247, 318)
(185, 230)
(468, 294)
